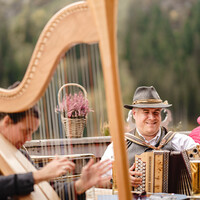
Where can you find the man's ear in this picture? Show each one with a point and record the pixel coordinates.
(133, 113)
(7, 120)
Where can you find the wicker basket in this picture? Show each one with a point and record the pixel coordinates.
(74, 127)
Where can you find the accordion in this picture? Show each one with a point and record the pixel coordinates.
(166, 172)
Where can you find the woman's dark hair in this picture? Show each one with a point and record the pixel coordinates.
(16, 117)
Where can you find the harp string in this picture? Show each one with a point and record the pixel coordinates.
(81, 64)
(90, 35)
(51, 130)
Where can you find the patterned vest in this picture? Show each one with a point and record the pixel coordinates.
(134, 148)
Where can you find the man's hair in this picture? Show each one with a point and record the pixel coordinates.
(16, 117)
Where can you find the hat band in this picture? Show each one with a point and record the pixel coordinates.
(145, 101)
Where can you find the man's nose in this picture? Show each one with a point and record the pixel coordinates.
(151, 116)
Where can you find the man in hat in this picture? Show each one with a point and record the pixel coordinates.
(148, 134)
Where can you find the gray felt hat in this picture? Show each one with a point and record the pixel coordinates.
(147, 97)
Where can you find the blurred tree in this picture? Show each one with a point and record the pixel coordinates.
(165, 54)
(158, 42)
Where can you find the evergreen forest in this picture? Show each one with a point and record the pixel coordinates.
(158, 44)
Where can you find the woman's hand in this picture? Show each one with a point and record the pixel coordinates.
(57, 167)
(92, 175)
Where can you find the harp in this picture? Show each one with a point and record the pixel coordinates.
(82, 22)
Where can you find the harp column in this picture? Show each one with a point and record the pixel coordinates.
(106, 20)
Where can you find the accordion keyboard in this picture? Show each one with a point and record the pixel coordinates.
(141, 167)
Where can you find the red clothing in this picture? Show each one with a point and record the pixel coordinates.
(195, 133)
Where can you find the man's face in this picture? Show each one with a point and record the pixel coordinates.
(22, 131)
(147, 120)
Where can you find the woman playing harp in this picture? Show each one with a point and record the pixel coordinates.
(17, 128)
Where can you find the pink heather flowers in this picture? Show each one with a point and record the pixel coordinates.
(74, 106)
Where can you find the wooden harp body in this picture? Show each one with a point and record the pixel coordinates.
(82, 22)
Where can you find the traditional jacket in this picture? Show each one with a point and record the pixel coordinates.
(136, 145)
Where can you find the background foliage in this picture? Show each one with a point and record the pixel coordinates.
(158, 44)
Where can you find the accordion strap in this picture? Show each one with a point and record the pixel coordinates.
(137, 140)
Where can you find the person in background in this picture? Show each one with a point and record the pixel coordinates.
(148, 133)
(18, 128)
(195, 133)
